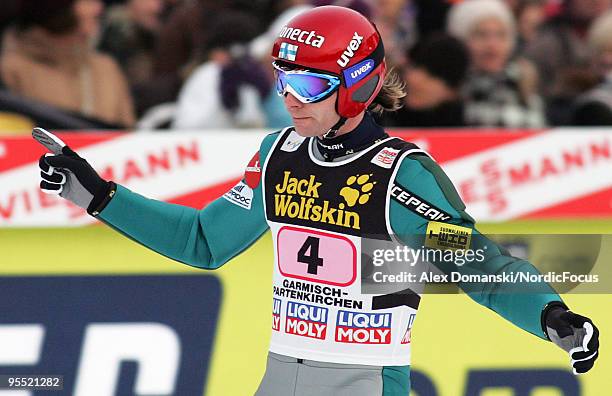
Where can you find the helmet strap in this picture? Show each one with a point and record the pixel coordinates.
(334, 129)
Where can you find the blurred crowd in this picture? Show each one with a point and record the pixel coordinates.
(195, 64)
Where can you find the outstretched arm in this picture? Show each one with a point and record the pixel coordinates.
(536, 308)
(205, 238)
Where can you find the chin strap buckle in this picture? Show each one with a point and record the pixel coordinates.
(334, 129)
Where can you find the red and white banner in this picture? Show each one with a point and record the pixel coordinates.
(557, 173)
(500, 175)
(189, 169)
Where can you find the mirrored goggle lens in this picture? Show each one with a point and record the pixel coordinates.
(308, 86)
(281, 82)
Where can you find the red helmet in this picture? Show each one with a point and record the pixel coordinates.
(338, 41)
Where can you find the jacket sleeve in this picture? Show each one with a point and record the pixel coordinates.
(521, 304)
(206, 238)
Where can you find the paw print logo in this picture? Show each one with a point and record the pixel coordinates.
(357, 190)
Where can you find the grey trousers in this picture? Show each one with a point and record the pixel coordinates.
(285, 376)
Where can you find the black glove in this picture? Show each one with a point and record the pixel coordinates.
(573, 333)
(70, 176)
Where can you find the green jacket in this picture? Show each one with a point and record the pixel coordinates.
(208, 239)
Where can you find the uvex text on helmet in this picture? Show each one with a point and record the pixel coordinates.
(339, 41)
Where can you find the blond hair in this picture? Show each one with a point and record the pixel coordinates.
(390, 96)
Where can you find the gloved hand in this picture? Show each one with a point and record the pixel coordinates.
(573, 333)
(65, 173)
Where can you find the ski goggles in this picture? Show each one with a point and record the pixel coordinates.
(306, 86)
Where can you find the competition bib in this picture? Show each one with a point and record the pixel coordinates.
(317, 212)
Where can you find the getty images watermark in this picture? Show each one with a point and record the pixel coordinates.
(449, 254)
(411, 257)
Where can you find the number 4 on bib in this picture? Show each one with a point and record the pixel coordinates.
(316, 256)
(313, 260)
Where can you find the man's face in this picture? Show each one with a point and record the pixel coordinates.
(312, 119)
(490, 43)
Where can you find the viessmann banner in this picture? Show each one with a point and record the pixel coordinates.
(501, 176)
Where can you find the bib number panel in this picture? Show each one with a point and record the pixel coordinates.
(316, 256)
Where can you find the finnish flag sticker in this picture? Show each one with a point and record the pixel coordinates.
(287, 51)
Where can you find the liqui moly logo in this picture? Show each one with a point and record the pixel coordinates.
(306, 320)
(363, 328)
(276, 310)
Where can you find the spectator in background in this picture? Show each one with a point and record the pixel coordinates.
(395, 21)
(561, 54)
(181, 39)
(595, 106)
(129, 35)
(431, 15)
(500, 90)
(435, 71)
(8, 12)
(530, 15)
(276, 114)
(229, 88)
(48, 57)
